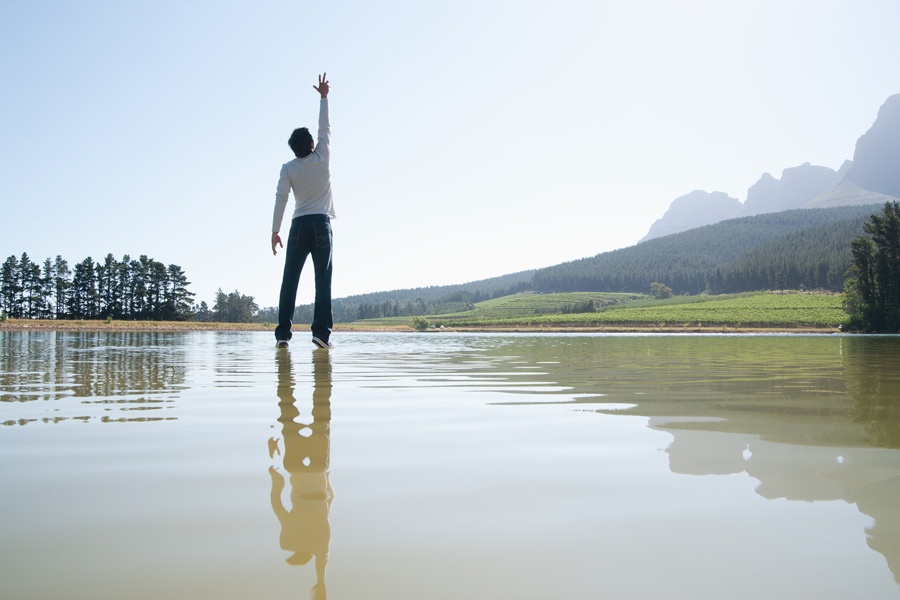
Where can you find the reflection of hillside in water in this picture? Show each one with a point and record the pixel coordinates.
(801, 390)
(111, 377)
(811, 418)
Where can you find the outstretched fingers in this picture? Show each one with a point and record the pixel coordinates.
(323, 86)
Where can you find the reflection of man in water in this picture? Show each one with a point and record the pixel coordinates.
(304, 528)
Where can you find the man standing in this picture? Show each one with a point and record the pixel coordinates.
(308, 176)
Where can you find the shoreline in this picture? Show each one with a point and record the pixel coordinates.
(184, 326)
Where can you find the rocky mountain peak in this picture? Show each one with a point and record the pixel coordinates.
(872, 177)
(695, 209)
(797, 186)
(876, 161)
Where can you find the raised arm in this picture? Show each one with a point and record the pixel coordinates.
(323, 143)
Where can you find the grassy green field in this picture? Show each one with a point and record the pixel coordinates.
(576, 310)
(527, 305)
(749, 310)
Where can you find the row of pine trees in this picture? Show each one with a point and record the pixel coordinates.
(126, 289)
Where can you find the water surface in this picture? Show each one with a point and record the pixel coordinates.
(211, 465)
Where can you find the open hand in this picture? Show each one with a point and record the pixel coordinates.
(323, 86)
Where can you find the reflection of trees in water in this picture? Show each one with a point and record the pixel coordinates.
(867, 477)
(811, 418)
(118, 372)
(804, 389)
(872, 367)
(305, 529)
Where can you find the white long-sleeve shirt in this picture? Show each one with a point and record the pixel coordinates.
(309, 178)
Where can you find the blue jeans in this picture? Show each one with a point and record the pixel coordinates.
(309, 235)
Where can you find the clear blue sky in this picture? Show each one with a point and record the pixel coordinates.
(470, 138)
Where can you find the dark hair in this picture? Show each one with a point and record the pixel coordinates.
(301, 142)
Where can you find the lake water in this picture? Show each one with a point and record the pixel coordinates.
(449, 466)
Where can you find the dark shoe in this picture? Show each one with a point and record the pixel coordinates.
(322, 344)
(281, 344)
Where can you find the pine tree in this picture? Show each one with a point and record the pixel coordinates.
(48, 308)
(83, 298)
(178, 298)
(30, 281)
(61, 285)
(10, 283)
(872, 292)
(108, 291)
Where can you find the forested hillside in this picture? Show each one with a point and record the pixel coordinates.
(786, 250)
(415, 301)
(484, 289)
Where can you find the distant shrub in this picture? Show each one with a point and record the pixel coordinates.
(660, 290)
(420, 323)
